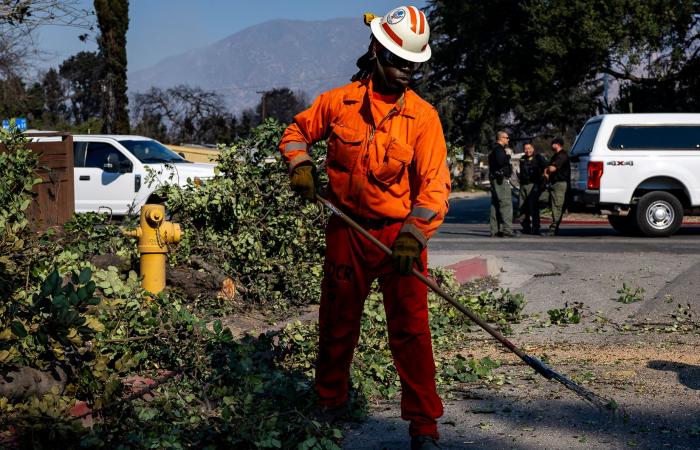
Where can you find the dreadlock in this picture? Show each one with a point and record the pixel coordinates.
(366, 64)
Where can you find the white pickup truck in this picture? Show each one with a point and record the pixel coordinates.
(112, 172)
(642, 170)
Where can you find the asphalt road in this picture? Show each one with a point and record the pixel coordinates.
(653, 374)
(593, 262)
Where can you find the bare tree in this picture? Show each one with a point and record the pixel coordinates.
(18, 20)
(187, 112)
(32, 13)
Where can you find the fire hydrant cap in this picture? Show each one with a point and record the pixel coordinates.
(177, 233)
(154, 216)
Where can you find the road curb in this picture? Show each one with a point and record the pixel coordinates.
(475, 268)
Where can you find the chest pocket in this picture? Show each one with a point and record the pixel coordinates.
(344, 145)
(396, 160)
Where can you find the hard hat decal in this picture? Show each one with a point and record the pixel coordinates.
(396, 16)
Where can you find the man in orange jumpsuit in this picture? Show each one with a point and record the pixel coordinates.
(387, 170)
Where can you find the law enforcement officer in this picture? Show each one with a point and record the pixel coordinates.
(501, 217)
(532, 167)
(558, 174)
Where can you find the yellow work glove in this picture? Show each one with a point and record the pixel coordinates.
(368, 17)
(406, 251)
(303, 181)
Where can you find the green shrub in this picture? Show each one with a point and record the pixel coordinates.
(17, 166)
(628, 294)
(566, 315)
(247, 222)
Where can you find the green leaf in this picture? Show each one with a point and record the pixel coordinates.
(85, 275)
(93, 301)
(60, 302)
(49, 283)
(42, 338)
(90, 287)
(217, 327)
(18, 329)
(82, 293)
(85, 330)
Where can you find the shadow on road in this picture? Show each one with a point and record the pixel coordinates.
(503, 422)
(688, 374)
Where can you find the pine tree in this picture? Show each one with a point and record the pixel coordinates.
(54, 98)
(113, 20)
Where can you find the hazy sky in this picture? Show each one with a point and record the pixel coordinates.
(160, 28)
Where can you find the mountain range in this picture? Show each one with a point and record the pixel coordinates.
(305, 56)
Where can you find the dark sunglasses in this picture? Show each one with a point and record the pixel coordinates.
(386, 58)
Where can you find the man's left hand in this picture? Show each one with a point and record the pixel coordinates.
(406, 251)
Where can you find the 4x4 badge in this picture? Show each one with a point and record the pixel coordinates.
(620, 163)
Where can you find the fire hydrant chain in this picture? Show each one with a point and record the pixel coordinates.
(164, 242)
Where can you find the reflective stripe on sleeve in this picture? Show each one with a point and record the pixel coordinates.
(426, 214)
(415, 232)
(295, 146)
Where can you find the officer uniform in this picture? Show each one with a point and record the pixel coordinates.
(530, 177)
(559, 184)
(500, 171)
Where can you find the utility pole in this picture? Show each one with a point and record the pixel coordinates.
(263, 106)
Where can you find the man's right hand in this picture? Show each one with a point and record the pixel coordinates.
(303, 181)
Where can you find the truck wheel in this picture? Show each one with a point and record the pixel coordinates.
(625, 225)
(659, 214)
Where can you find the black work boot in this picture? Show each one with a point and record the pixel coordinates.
(424, 443)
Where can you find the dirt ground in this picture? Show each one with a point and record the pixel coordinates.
(650, 371)
(653, 377)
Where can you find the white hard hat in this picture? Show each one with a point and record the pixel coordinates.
(404, 31)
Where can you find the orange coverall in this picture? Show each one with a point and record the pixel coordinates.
(387, 169)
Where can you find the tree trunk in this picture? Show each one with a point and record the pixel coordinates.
(468, 167)
(27, 382)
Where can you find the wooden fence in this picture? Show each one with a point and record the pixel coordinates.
(54, 202)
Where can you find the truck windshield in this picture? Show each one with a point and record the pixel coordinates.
(586, 138)
(152, 152)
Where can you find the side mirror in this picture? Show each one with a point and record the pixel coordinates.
(111, 163)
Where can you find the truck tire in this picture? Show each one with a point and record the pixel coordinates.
(625, 225)
(659, 214)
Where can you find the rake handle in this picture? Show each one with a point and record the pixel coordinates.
(531, 361)
(437, 289)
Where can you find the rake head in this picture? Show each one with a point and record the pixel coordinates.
(600, 402)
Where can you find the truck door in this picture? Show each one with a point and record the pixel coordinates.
(97, 190)
(580, 155)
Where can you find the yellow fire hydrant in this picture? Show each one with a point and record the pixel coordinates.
(154, 233)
